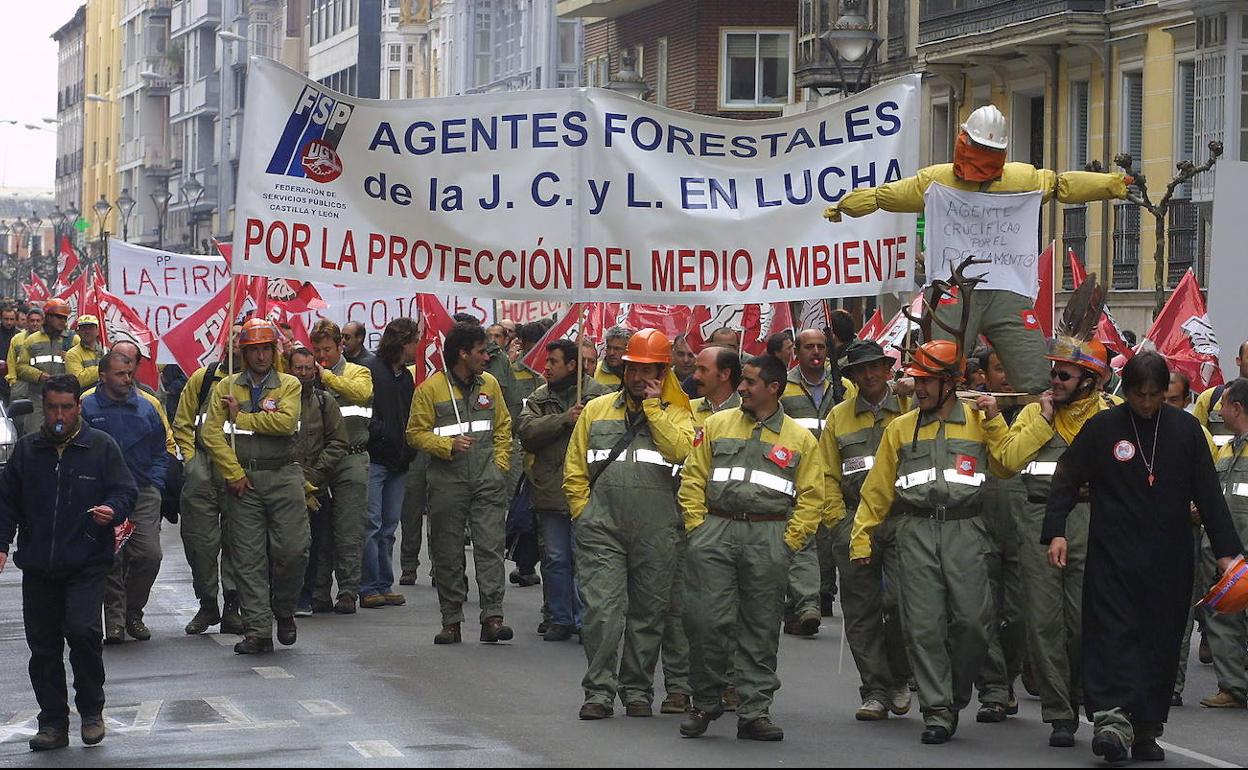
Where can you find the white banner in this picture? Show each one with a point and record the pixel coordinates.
(1003, 229)
(523, 312)
(570, 194)
(1227, 309)
(165, 287)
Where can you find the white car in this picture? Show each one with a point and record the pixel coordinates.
(8, 432)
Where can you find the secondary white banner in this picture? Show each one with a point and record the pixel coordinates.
(1004, 229)
(570, 195)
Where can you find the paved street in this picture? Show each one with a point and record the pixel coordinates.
(372, 690)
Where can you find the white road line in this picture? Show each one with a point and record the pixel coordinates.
(1196, 755)
(322, 708)
(375, 749)
(20, 724)
(235, 719)
(272, 672)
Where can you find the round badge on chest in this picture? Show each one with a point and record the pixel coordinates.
(1124, 451)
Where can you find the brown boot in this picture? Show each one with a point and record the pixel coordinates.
(493, 630)
(674, 703)
(345, 604)
(448, 635)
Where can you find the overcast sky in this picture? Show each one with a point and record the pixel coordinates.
(28, 89)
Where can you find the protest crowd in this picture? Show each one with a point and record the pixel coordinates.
(682, 489)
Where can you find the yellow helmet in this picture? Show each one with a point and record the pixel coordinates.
(87, 320)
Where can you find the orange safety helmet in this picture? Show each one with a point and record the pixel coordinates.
(1230, 595)
(1089, 355)
(56, 306)
(648, 346)
(938, 358)
(257, 331)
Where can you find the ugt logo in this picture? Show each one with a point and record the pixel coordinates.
(309, 144)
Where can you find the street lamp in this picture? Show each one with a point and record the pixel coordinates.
(8, 269)
(125, 205)
(160, 199)
(192, 191)
(852, 39)
(33, 223)
(58, 230)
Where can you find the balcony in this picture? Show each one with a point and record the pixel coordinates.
(189, 100)
(951, 30)
(132, 8)
(154, 72)
(600, 9)
(151, 154)
(193, 14)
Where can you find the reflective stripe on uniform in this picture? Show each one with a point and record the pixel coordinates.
(759, 478)
(230, 427)
(810, 423)
(46, 360)
(650, 456)
(952, 476)
(199, 419)
(1240, 489)
(857, 465)
(1222, 440)
(915, 479)
(356, 411)
(1037, 468)
(459, 429)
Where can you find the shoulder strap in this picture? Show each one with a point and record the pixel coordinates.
(634, 427)
(205, 386)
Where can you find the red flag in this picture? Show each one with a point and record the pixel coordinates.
(816, 314)
(894, 335)
(1107, 329)
(120, 322)
(76, 295)
(755, 322)
(564, 329)
(1183, 334)
(199, 339)
(435, 323)
(36, 290)
(873, 327)
(66, 266)
(1046, 296)
(669, 319)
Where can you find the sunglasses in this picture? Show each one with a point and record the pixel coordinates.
(1061, 376)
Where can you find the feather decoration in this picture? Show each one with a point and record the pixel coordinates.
(1083, 310)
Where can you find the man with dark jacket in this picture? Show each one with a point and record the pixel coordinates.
(545, 428)
(64, 489)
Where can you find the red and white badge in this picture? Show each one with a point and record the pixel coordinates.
(1030, 321)
(697, 436)
(965, 465)
(484, 401)
(951, 298)
(269, 405)
(1124, 451)
(781, 456)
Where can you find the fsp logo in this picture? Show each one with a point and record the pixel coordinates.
(309, 143)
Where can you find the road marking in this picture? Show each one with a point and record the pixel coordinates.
(225, 640)
(272, 672)
(19, 725)
(375, 749)
(1196, 755)
(235, 719)
(322, 708)
(144, 718)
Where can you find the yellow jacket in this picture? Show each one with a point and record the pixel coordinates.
(15, 350)
(1210, 415)
(84, 363)
(735, 442)
(353, 387)
(671, 431)
(188, 417)
(170, 446)
(606, 378)
(28, 371)
(434, 422)
(966, 426)
(702, 409)
(281, 421)
(906, 195)
(848, 446)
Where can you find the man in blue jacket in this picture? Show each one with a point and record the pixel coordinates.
(120, 410)
(64, 490)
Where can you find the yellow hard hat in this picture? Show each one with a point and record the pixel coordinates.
(87, 320)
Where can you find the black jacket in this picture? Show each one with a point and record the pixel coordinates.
(392, 402)
(44, 498)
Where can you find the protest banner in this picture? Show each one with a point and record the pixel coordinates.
(1002, 228)
(1225, 279)
(569, 195)
(523, 312)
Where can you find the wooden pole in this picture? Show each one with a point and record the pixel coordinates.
(229, 343)
(580, 359)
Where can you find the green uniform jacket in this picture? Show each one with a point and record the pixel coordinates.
(265, 430)
(42, 354)
(479, 413)
(545, 434)
(799, 404)
(322, 438)
(848, 446)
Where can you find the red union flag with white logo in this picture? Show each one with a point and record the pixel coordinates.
(200, 340)
(1183, 334)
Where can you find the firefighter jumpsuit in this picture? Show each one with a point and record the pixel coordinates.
(932, 485)
(84, 363)
(351, 385)
(626, 528)
(41, 354)
(1228, 634)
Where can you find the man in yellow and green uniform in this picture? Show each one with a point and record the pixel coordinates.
(752, 496)
(18, 388)
(83, 360)
(610, 371)
(43, 353)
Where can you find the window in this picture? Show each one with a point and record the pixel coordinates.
(941, 141)
(596, 72)
(567, 43)
(411, 54)
(1185, 118)
(1133, 115)
(660, 92)
(756, 69)
(1074, 236)
(411, 83)
(1126, 246)
(1078, 124)
(396, 54)
(395, 88)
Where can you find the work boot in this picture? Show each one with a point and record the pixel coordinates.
(991, 713)
(638, 709)
(114, 635)
(729, 700)
(557, 633)
(92, 729)
(136, 629)
(207, 617)
(493, 630)
(320, 607)
(287, 633)
(1222, 700)
(934, 735)
(871, 710)
(761, 729)
(231, 615)
(49, 738)
(345, 605)
(1063, 735)
(674, 703)
(1109, 747)
(899, 701)
(394, 600)
(408, 578)
(593, 711)
(523, 580)
(253, 645)
(827, 605)
(448, 635)
(1205, 653)
(542, 627)
(373, 601)
(696, 722)
(1176, 700)
(808, 622)
(1145, 749)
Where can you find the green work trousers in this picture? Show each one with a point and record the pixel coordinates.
(134, 571)
(625, 560)
(268, 535)
(736, 574)
(1007, 640)
(415, 505)
(202, 524)
(340, 554)
(998, 315)
(825, 544)
(1201, 581)
(675, 650)
(803, 582)
(946, 608)
(479, 507)
(1227, 634)
(869, 604)
(1054, 608)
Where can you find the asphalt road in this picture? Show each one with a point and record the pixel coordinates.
(373, 690)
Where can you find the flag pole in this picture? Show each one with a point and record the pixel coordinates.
(580, 359)
(229, 344)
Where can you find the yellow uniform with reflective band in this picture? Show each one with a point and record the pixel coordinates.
(434, 422)
(170, 445)
(732, 470)
(848, 447)
(925, 475)
(84, 363)
(190, 414)
(351, 385)
(702, 409)
(1210, 415)
(605, 377)
(263, 432)
(799, 405)
(15, 350)
(41, 354)
(1227, 634)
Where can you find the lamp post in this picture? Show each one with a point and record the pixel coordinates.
(852, 40)
(7, 269)
(160, 199)
(125, 205)
(192, 192)
(102, 209)
(34, 224)
(58, 231)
